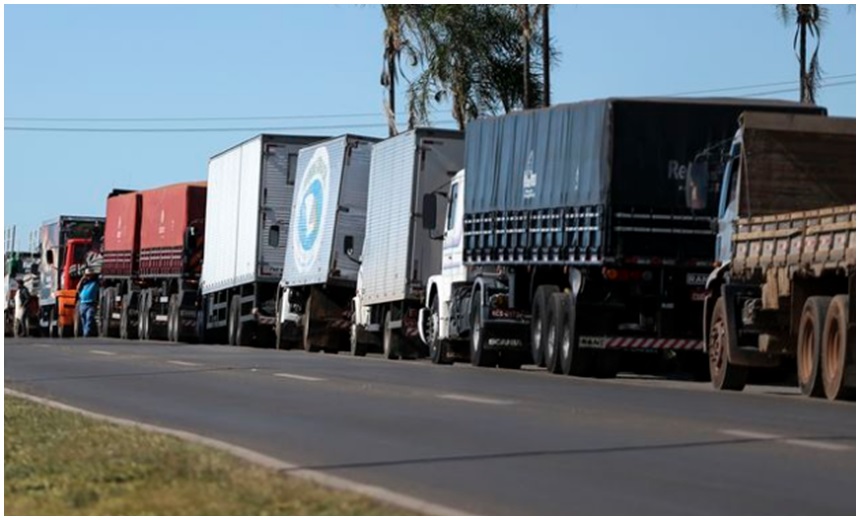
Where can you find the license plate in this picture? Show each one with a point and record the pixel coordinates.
(504, 313)
(697, 278)
(699, 296)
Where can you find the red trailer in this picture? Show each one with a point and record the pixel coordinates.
(156, 252)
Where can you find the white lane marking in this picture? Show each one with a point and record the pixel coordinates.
(386, 495)
(300, 378)
(183, 363)
(103, 352)
(806, 443)
(475, 399)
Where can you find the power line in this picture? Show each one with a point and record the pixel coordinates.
(306, 128)
(341, 116)
(784, 91)
(189, 130)
(186, 119)
(761, 85)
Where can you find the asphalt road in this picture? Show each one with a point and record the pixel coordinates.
(479, 440)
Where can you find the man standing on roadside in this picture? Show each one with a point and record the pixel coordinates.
(88, 294)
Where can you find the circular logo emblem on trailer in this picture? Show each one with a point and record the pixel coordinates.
(311, 206)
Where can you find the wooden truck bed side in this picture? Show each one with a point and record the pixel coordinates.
(806, 241)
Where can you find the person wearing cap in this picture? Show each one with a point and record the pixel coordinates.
(88, 295)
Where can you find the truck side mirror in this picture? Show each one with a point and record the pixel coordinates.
(696, 184)
(49, 257)
(188, 239)
(348, 245)
(428, 211)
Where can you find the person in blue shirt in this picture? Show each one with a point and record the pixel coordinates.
(88, 295)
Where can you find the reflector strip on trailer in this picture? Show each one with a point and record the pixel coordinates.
(631, 343)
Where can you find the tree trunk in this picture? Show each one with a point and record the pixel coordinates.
(545, 55)
(392, 130)
(804, 81)
(526, 57)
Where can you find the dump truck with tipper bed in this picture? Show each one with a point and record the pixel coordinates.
(250, 191)
(67, 247)
(577, 233)
(398, 255)
(785, 286)
(153, 255)
(325, 241)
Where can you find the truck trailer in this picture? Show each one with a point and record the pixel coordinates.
(577, 232)
(153, 252)
(785, 286)
(250, 191)
(324, 244)
(67, 246)
(398, 255)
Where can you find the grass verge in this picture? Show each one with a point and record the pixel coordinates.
(61, 463)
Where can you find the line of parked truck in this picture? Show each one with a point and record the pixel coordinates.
(583, 238)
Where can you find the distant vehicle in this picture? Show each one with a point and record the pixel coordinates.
(68, 245)
(250, 191)
(153, 255)
(325, 240)
(786, 279)
(398, 255)
(577, 233)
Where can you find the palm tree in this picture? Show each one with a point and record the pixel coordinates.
(394, 44)
(809, 20)
(473, 56)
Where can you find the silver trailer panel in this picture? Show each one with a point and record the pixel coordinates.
(247, 211)
(399, 256)
(329, 205)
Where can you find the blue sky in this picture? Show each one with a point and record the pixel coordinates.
(240, 61)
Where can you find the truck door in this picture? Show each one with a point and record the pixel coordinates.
(452, 248)
(729, 200)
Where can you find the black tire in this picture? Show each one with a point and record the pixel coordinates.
(439, 348)
(480, 356)
(355, 347)
(810, 332)
(556, 319)
(53, 323)
(540, 322)
(724, 374)
(233, 320)
(392, 341)
(173, 318)
(107, 302)
(573, 359)
(126, 331)
(143, 316)
(837, 348)
(307, 337)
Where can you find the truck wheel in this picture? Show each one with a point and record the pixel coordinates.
(53, 324)
(106, 310)
(439, 348)
(233, 320)
(540, 322)
(355, 348)
(724, 375)
(173, 318)
(123, 317)
(307, 336)
(480, 356)
(556, 320)
(142, 315)
(392, 342)
(836, 349)
(809, 335)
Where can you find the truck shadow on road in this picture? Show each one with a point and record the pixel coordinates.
(567, 452)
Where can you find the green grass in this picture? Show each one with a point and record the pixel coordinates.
(61, 463)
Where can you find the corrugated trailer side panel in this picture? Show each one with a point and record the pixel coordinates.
(165, 215)
(222, 210)
(122, 235)
(389, 204)
(352, 210)
(398, 252)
